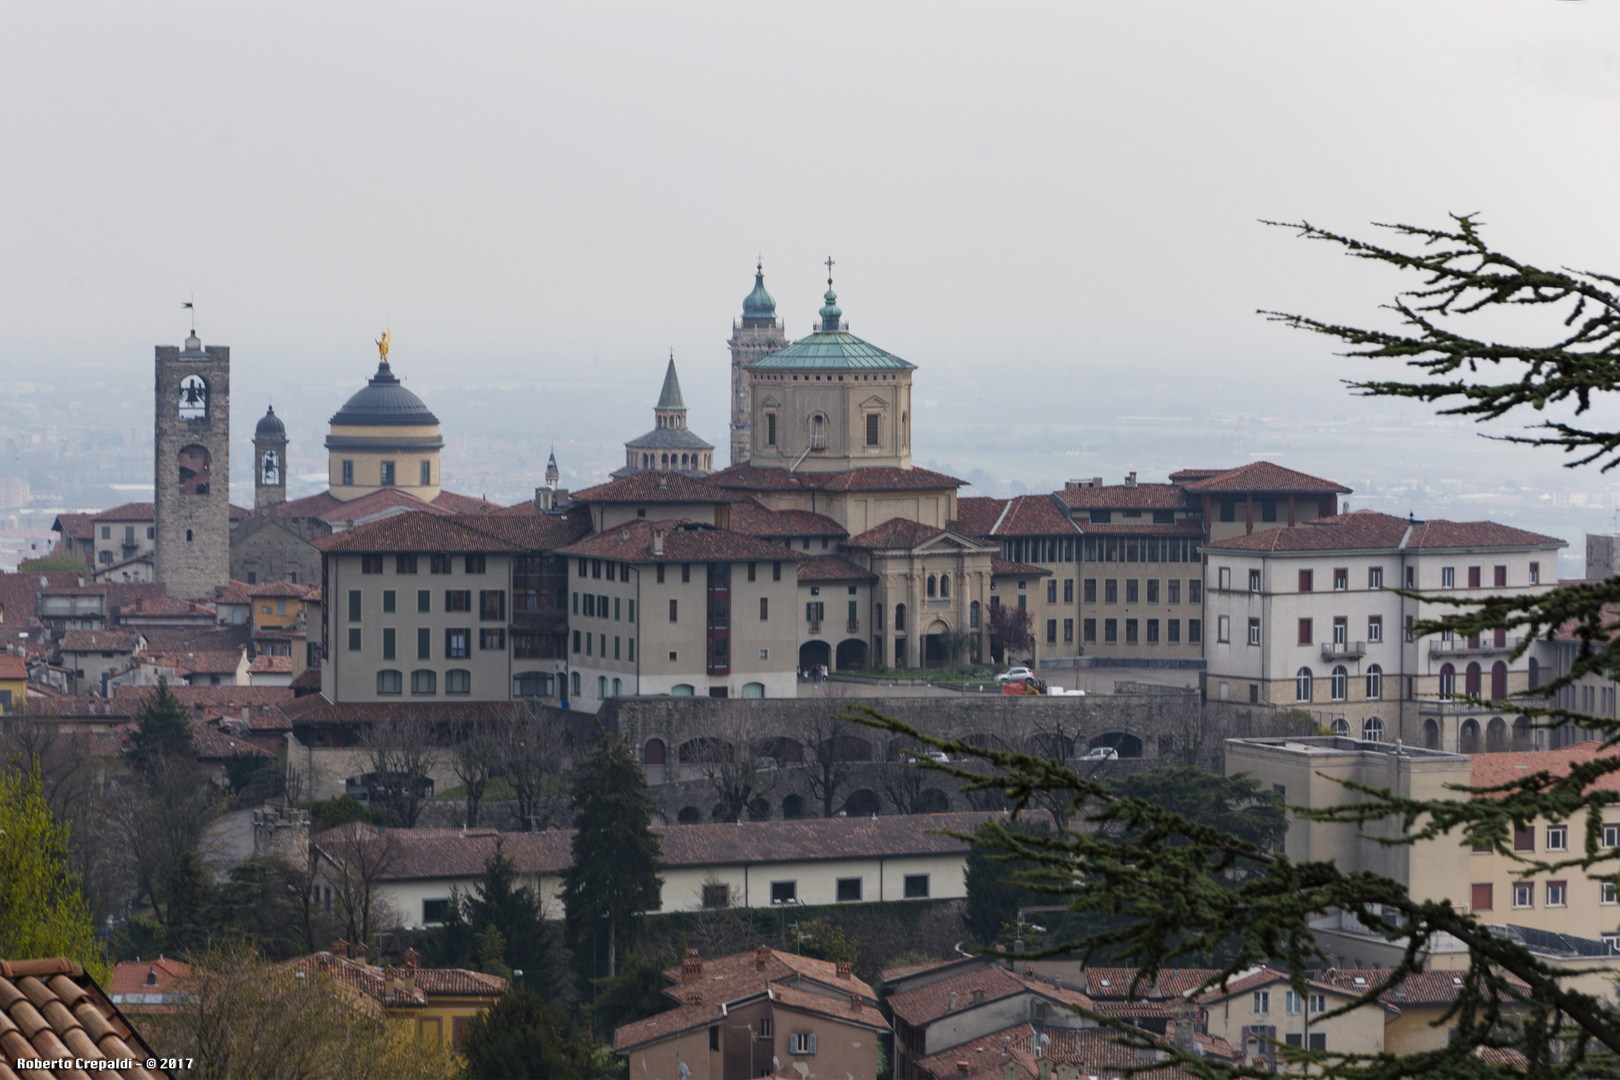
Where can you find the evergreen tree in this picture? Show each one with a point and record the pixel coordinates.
(614, 875)
(506, 921)
(43, 910)
(993, 898)
(524, 1038)
(636, 993)
(162, 727)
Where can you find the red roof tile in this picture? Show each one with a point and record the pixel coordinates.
(1129, 497)
(153, 606)
(98, 588)
(146, 976)
(683, 541)
(1034, 515)
(198, 697)
(1367, 530)
(418, 533)
(1493, 770)
(138, 511)
(925, 1004)
(1185, 475)
(196, 661)
(52, 1009)
(1455, 534)
(887, 478)
(99, 641)
(1007, 568)
(654, 487)
(1417, 989)
(1265, 476)
(12, 667)
(1104, 982)
(457, 503)
(977, 515)
(77, 526)
(895, 534)
(752, 519)
(271, 665)
(832, 568)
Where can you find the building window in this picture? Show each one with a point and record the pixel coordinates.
(1611, 836)
(770, 429)
(1305, 580)
(458, 681)
(1153, 590)
(531, 684)
(1089, 590)
(1088, 631)
(1292, 1003)
(802, 1042)
(1172, 631)
(492, 638)
(716, 896)
(1375, 628)
(1068, 631)
(849, 890)
(1051, 591)
(1375, 682)
(872, 432)
(1473, 577)
(388, 643)
(1262, 1002)
(1153, 631)
(1555, 893)
(1341, 578)
(1304, 631)
(388, 682)
(1557, 838)
(424, 682)
(457, 644)
(1130, 631)
(1535, 573)
(784, 892)
(348, 473)
(492, 605)
(1375, 577)
(1254, 630)
(458, 600)
(1448, 577)
(1068, 590)
(1481, 898)
(1130, 590)
(354, 639)
(1524, 839)
(1111, 631)
(1302, 684)
(1448, 682)
(1372, 729)
(1228, 509)
(916, 887)
(427, 473)
(387, 477)
(1111, 591)
(1339, 683)
(1223, 628)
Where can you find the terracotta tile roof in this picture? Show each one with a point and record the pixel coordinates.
(52, 1009)
(13, 667)
(1420, 988)
(749, 517)
(418, 533)
(1097, 1054)
(99, 641)
(215, 743)
(134, 977)
(262, 719)
(1186, 527)
(1265, 476)
(458, 982)
(1034, 515)
(654, 486)
(1455, 534)
(827, 568)
(986, 1057)
(275, 588)
(1185, 475)
(271, 665)
(1007, 568)
(1264, 976)
(887, 478)
(890, 974)
(895, 534)
(19, 598)
(1128, 497)
(195, 662)
(77, 526)
(307, 680)
(173, 639)
(925, 1004)
(457, 503)
(316, 709)
(684, 541)
(1357, 531)
(446, 853)
(977, 515)
(742, 971)
(199, 697)
(538, 532)
(97, 588)
(124, 593)
(1492, 770)
(136, 511)
(155, 606)
(1102, 982)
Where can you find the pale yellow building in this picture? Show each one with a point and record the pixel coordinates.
(384, 437)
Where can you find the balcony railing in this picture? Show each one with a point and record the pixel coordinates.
(1461, 646)
(815, 626)
(853, 626)
(1341, 650)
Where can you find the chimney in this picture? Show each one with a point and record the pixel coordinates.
(978, 996)
(953, 1001)
(340, 947)
(543, 498)
(1096, 482)
(843, 969)
(1130, 479)
(762, 956)
(961, 1068)
(388, 983)
(657, 542)
(692, 968)
(855, 1001)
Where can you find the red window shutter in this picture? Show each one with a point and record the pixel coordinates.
(1524, 839)
(1481, 898)
(1499, 577)
(1473, 577)
(1304, 631)
(1471, 679)
(1304, 581)
(1498, 681)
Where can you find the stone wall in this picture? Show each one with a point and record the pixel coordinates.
(270, 546)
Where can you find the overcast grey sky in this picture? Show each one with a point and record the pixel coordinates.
(1004, 186)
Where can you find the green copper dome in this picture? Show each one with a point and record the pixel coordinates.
(831, 348)
(759, 304)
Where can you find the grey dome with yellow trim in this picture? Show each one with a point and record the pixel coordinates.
(384, 402)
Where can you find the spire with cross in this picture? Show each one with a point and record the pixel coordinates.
(830, 312)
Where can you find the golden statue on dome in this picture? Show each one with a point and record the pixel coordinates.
(382, 345)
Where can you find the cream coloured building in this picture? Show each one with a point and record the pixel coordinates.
(384, 437)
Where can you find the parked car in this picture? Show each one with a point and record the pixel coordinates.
(1100, 753)
(914, 756)
(1017, 674)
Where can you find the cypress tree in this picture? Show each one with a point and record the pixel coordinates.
(614, 876)
(162, 727)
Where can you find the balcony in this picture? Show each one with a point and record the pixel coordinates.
(1459, 646)
(853, 626)
(1343, 650)
(815, 626)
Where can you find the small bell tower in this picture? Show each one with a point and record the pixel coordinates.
(269, 461)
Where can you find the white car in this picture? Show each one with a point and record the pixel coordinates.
(931, 755)
(1017, 674)
(1100, 753)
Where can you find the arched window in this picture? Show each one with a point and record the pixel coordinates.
(618, 687)
(1498, 681)
(424, 682)
(818, 432)
(1302, 684)
(973, 615)
(1341, 727)
(575, 684)
(1471, 680)
(1524, 736)
(270, 468)
(1373, 729)
(1431, 735)
(932, 584)
(1468, 737)
(681, 690)
(666, 461)
(899, 617)
(653, 753)
(458, 681)
(193, 464)
(1448, 682)
(1375, 682)
(388, 682)
(193, 403)
(1535, 673)
(945, 585)
(601, 686)
(1339, 687)
(753, 690)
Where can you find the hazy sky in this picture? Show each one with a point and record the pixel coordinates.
(1017, 188)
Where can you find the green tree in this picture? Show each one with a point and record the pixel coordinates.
(636, 993)
(993, 896)
(340, 810)
(500, 906)
(1235, 805)
(1164, 876)
(54, 564)
(824, 941)
(614, 875)
(523, 1037)
(43, 910)
(162, 728)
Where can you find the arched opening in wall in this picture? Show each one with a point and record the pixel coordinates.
(818, 431)
(1525, 737)
(689, 815)
(705, 749)
(193, 403)
(753, 690)
(783, 750)
(1498, 681)
(759, 810)
(1448, 682)
(793, 807)
(1372, 729)
(899, 617)
(812, 654)
(973, 615)
(653, 753)
(1302, 684)
(1375, 682)
(1471, 681)
(1496, 735)
(933, 584)
(851, 654)
(270, 468)
(846, 748)
(932, 801)
(678, 690)
(980, 738)
(862, 803)
(194, 463)
(718, 813)
(936, 650)
(1431, 735)
(1049, 744)
(1468, 737)
(1535, 673)
(1341, 727)
(1340, 683)
(1125, 744)
(945, 586)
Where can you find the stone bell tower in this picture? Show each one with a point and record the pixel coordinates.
(269, 461)
(192, 467)
(757, 334)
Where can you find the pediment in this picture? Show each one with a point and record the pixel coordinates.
(771, 402)
(874, 402)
